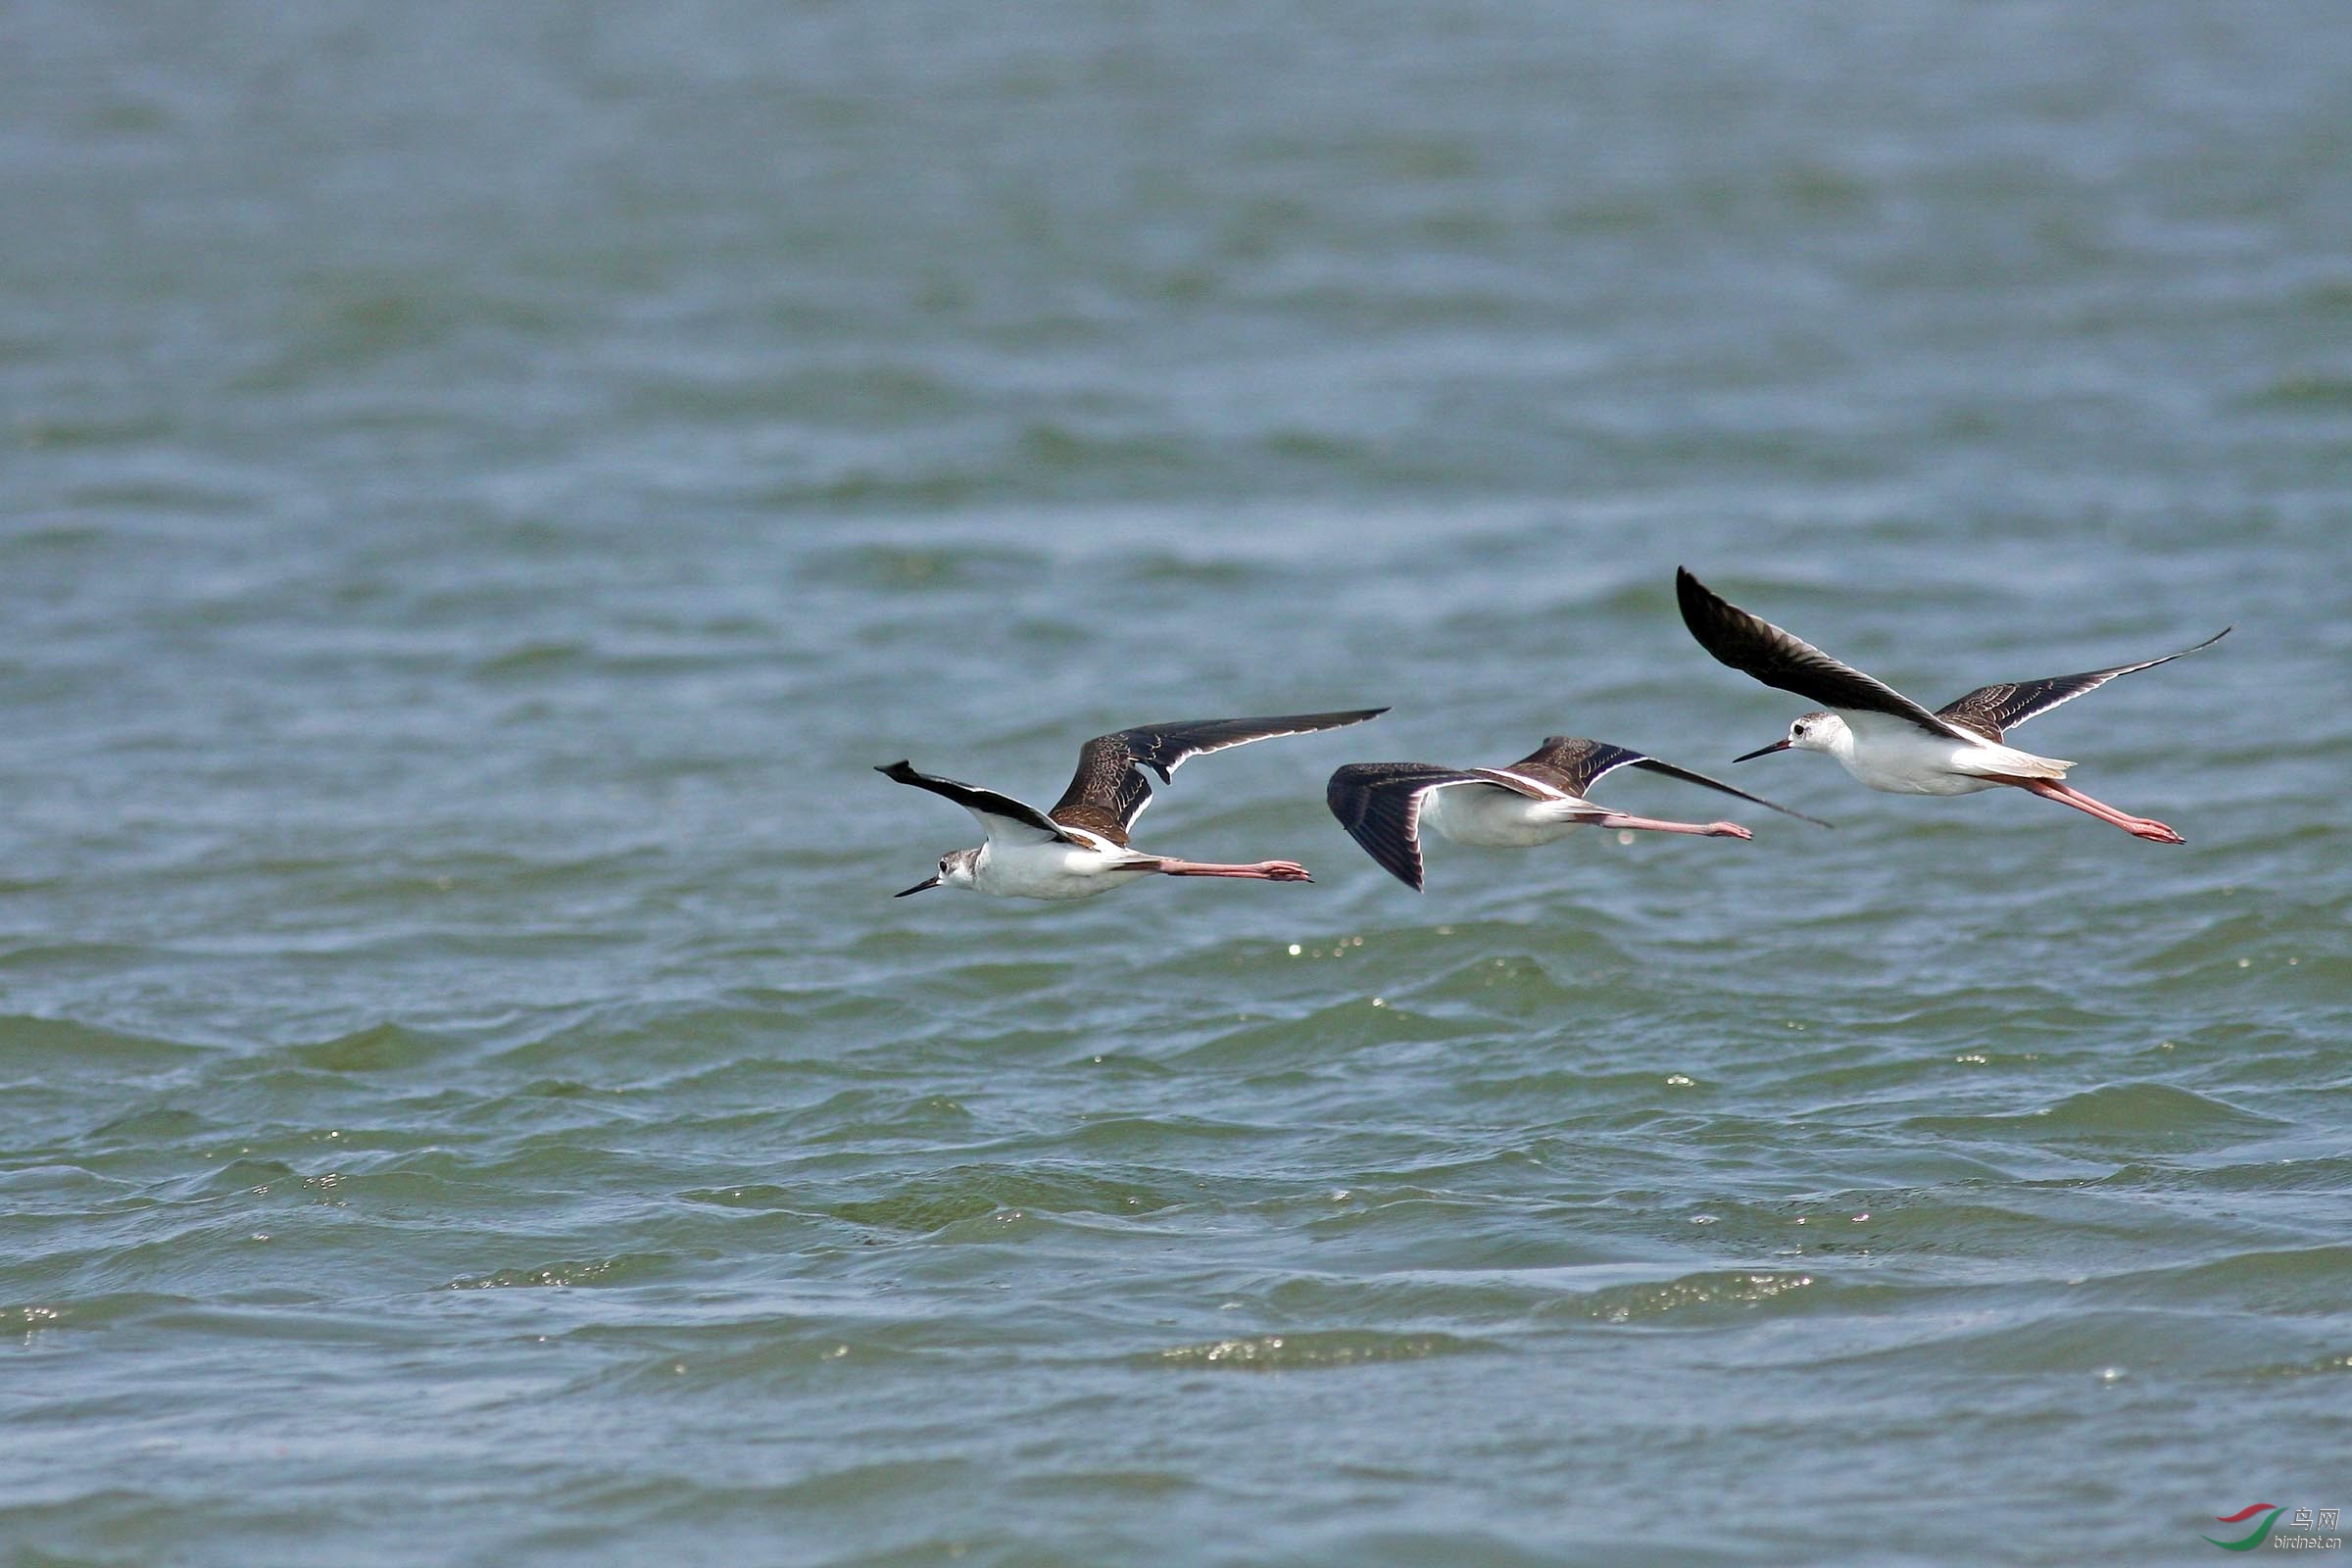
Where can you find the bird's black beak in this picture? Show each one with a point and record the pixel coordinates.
(1780, 744)
(924, 886)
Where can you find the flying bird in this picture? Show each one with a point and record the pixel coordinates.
(1891, 743)
(1533, 800)
(1080, 847)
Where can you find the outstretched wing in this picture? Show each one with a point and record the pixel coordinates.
(1380, 803)
(1763, 650)
(1571, 763)
(1000, 816)
(1109, 791)
(1991, 709)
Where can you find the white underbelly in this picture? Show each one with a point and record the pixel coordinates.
(1907, 775)
(1052, 870)
(1899, 758)
(1496, 819)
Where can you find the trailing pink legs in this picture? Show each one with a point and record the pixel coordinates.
(1262, 871)
(2139, 827)
(1652, 825)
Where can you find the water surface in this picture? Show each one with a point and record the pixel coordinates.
(485, 487)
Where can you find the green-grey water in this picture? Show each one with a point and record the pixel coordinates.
(484, 485)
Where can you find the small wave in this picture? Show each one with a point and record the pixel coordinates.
(864, 488)
(1088, 1484)
(67, 431)
(1741, 1290)
(917, 569)
(386, 1048)
(626, 1270)
(1521, 984)
(2317, 391)
(1324, 448)
(1160, 567)
(25, 1319)
(693, 1033)
(1064, 450)
(779, 1356)
(2108, 1344)
(860, 395)
(152, 1126)
(59, 1045)
(2289, 1281)
(757, 1196)
(528, 661)
(2128, 1113)
(265, 1178)
(2337, 1364)
(67, 539)
(2164, 1108)
(975, 1192)
(1313, 1350)
(1283, 1045)
(866, 1116)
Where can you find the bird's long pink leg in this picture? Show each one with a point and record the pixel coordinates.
(1262, 871)
(1651, 824)
(2139, 827)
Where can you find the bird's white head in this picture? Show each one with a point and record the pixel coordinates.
(1820, 732)
(961, 869)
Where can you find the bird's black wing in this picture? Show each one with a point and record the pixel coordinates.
(1109, 791)
(1379, 804)
(1991, 709)
(1000, 816)
(1781, 658)
(1571, 763)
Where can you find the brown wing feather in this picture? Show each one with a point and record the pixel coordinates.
(1978, 713)
(1107, 792)
(1110, 782)
(1570, 762)
(1574, 763)
(2003, 706)
(1089, 817)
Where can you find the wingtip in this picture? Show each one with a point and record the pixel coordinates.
(893, 770)
(1692, 596)
(1412, 873)
(1790, 810)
